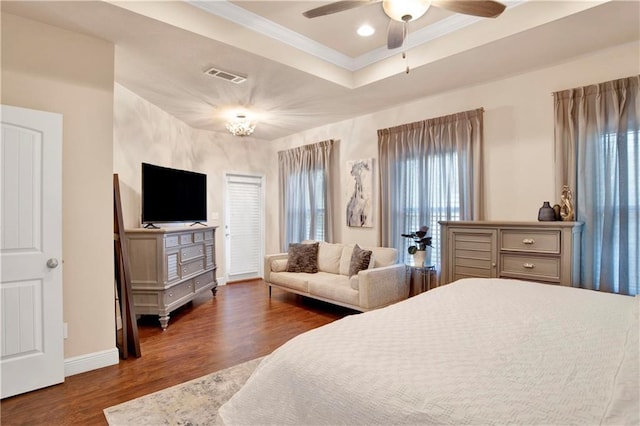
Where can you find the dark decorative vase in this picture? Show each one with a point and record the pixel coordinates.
(546, 213)
(556, 211)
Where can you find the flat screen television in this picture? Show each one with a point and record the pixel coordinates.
(172, 195)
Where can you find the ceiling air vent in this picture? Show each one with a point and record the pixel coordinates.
(226, 75)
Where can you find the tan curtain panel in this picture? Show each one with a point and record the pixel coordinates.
(597, 144)
(430, 170)
(305, 193)
(582, 116)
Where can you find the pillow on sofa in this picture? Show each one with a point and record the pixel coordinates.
(359, 260)
(329, 257)
(303, 258)
(385, 256)
(345, 259)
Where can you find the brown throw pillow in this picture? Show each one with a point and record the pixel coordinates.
(359, 260)
(303, 258)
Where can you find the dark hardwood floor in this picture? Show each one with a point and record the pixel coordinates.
(207, 335)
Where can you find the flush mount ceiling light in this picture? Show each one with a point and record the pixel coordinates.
(366, 30)
(240, 125)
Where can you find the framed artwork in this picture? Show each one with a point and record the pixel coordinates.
(360, 193)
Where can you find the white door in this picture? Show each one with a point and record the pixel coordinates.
(31, 250)
(244, 227)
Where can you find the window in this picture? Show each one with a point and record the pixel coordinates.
(597, 148)
(436, 208)
(305, 193)
(430, 171)
(307, 217)
(616, 201)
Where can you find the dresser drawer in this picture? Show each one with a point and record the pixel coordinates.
(178, 291)
(530, 267)
(186, 239)
(172, 241)
(203, 280)
(191, 252)
(191, 268)
(530, 241)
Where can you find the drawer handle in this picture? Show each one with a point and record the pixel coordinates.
(170, 294)
(528, 241)
(529, 265)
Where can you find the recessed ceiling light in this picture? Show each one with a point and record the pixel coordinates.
(366, 30)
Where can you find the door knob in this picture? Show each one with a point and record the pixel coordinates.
(52, 263)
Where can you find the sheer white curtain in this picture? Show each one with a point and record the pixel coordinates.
(305, 193)
(430, 170)
(597, 137)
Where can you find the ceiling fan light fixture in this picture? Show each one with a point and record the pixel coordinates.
(240, 125)
(405, 10)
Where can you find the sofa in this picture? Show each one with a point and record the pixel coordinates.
(340, 274)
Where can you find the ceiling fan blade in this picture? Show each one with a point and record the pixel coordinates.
(483, 8)
(336, 7)
(396, 34)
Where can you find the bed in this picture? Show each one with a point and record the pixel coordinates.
(477, 351)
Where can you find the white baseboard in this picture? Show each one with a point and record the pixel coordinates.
(92, 361)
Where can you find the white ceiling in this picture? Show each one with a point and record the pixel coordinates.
(303, 73)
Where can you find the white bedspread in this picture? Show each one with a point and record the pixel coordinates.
(472, 352)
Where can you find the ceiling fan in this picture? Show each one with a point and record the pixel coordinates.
(403, 11)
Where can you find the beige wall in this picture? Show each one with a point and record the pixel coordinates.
(50, 69)
(518, 154)
(56, 70)
(145, 133)
(518, 134)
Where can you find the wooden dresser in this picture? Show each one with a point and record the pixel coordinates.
(169, 267)
(536, 251)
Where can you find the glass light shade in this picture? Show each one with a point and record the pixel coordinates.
(405, 10)
(240, 126)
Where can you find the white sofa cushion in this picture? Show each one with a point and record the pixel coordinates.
(384, 256)
(334, 287)
(329, 257)
(345, 259)
(293, 280)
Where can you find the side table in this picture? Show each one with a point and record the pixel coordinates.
(422, 278)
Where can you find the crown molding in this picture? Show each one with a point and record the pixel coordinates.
(227, 10)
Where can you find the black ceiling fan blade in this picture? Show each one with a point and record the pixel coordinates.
(483, 8)
(396, 34)
(336, 7)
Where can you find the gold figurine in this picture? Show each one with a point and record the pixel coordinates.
(566, 208)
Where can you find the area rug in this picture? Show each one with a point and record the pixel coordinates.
(195, 402)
